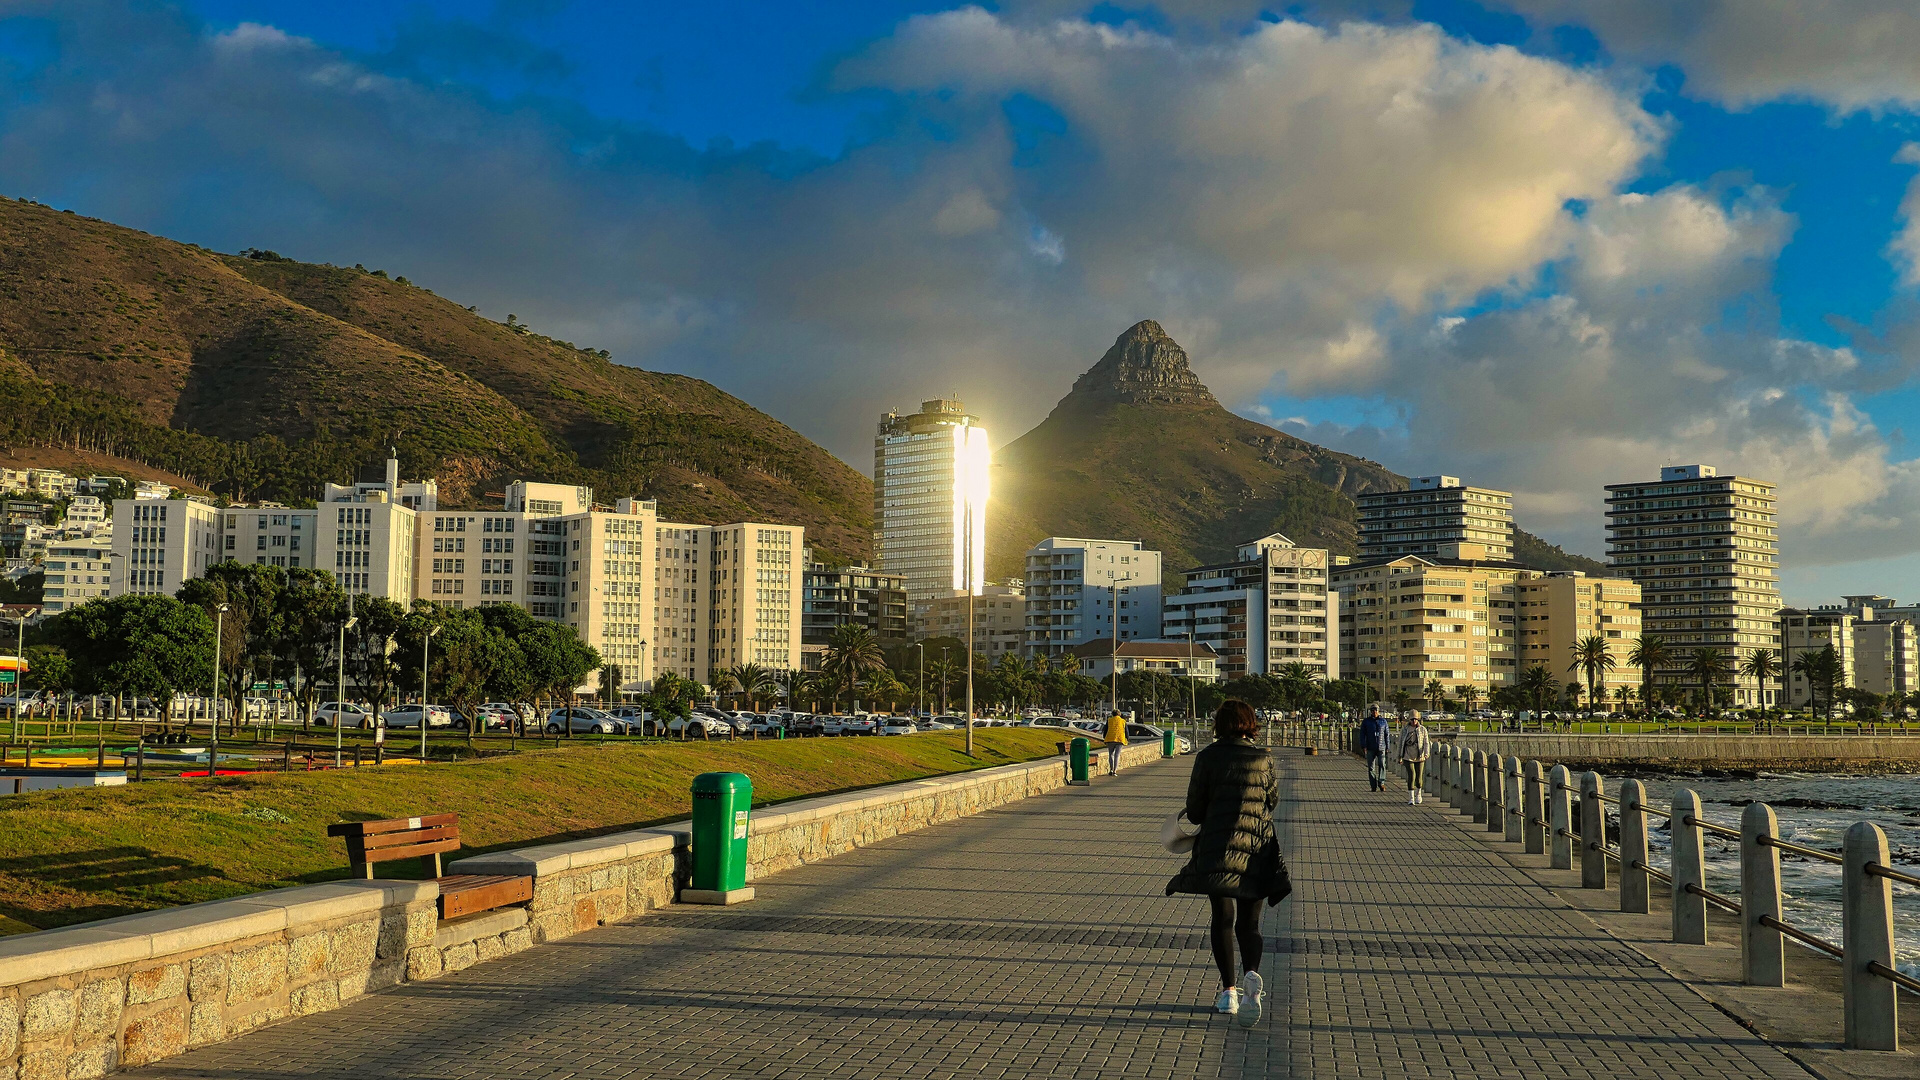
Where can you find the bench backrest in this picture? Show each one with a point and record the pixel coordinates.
(399, 838)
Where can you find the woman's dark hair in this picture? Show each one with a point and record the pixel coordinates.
(1235, 720)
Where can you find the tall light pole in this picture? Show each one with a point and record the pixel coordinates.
(946, 675)
(1113, 614)
(340, 686)
(213, 748)
(1193, 681)
(969, 666)
(921, 706)
(426, 645)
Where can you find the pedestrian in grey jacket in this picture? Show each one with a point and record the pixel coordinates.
(1413, 746)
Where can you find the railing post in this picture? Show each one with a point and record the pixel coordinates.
(1511, 820)
(1496, 793)
(1535, 807)
(1763, 959)
(1479, 774)
(1635, 888)
(1428, 782)
(1688, 868)
(1593, 832)
(1560, 819)
(1872, 1003)
(1446, 774)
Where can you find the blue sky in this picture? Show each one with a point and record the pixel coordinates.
(1602, 237)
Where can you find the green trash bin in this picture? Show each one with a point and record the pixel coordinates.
(780, 733)
(722, 803)
(1079, 756)
(1168, 747)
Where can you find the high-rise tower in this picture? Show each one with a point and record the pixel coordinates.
(930, 488)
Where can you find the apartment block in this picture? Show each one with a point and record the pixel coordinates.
(1558, 609)
(160, 543)
(77, 571)
(999, 618)
(1098, 659)
(1270, 607)
(1803, 632)
(855, 595)
(930, 490)
(86, 510)
(1886, 657)
(1706, 554)
(1432, 512)
(1451, 617)
(1071, 584)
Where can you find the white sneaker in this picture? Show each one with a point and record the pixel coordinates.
(1229, 1001)
(1410, 798)
(1252, 993)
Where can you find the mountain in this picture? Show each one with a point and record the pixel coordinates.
(256, 376)
(1139, 448)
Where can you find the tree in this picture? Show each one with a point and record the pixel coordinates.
(1709, 665)
(1469, 697)
(312, 608)
(881, 685)
(148, 646)
(852, 654)
(52, 671)
(1436, 693)
(1762, 666)
(757, 683)
(1537, 686)
(1297, 685)
(1402, 700)
(1649, 652)
(1824, 674)
(1594, 660)
(252, 626)
(371, 645)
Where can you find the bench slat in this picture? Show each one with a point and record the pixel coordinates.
(369, 828)
(400, 839)
(408, 851)
(467, 894)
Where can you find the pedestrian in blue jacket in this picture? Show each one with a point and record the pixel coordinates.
(1374, 737)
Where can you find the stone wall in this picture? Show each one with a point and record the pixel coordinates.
(82, 1001)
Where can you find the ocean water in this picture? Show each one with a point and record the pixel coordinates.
(1814, 810)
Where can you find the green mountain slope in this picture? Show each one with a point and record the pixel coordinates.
(263, 377)
(1140, 449)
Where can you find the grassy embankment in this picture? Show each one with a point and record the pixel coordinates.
(91, 853)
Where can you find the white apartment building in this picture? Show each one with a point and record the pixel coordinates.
(1802, 632)
(85, 511)
(1886, 656)
(160, 543)
(1435, 510)
(999, 617)
(415, 495)
(930, 491)
(1070, 593)
(1705, 552)
(1272, 606)
(77, 571)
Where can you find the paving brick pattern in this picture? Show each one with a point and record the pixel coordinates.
(1034, 940)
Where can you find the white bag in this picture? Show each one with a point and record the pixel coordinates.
(1178, 834)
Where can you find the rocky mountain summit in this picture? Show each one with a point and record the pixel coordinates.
(1144, 367)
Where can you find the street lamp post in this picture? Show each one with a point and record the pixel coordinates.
(1113, 614)
(1193, 686)
(426, 644)
(213, 748)
(340, 687)
(946, 672)
(921, 704)
(969, 662)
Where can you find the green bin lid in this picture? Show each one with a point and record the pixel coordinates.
(716, 782)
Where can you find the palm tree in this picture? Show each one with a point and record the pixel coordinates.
(1469, 697)
(852, 654)
(1709, 665)
(882, 685)
(942, 672)
(1401, 699)
(1436, 693)
(1762, 666)
(1297, 684)
(755, 682)
(1649, 652)
(723, 683)
(1593, 659)
(1538, 684)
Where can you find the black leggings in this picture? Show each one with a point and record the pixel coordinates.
(1235, 919)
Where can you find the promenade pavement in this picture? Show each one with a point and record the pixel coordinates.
(1035, 941)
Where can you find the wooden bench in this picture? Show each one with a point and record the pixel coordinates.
(370, 842)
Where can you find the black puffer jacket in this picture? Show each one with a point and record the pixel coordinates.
(1231, 795)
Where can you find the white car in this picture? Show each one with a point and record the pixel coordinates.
(701, 726)
(408, 716)
(767, 725)
(857, 724)
(580, 718)
(351, 715)
(898, 725)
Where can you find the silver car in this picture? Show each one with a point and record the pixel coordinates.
(580, 718)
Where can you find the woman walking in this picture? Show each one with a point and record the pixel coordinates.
(1414, 747)
(1236, 859)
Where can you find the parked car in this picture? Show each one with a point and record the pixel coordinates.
(943, 722)
(408, 716)
(637, 720)
(807, 724)
(351, 715)
(701, 726)
(898, 725)
(583, 718)
(495, 718)
(857, 724)
(767, 725)
(1148, 733)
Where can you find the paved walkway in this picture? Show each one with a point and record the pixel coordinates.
(1034, 941)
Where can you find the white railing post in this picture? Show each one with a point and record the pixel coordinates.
(1635, 884)
(1535, 808)
(1593, 832)
(1479, 774)
(1763, 959)
(1428, 782)
(1560, 819)
(1496, 793)
(1872, 1002)
(1510, 821)
(1688, 867)
(1449, 775)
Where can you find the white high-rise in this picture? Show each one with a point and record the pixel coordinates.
(930, 490)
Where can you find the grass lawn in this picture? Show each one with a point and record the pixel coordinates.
(90, 853)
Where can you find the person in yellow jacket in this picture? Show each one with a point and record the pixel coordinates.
(1116, 738)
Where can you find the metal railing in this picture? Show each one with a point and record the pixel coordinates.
(1537, 807)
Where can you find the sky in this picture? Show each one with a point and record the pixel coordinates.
(1544, 245)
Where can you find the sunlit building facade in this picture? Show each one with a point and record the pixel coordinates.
(930, 493)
